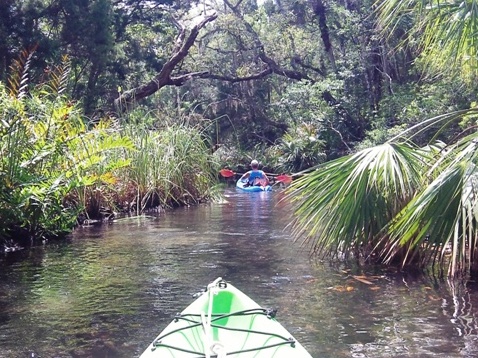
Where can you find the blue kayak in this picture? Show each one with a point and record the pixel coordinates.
(241, 185)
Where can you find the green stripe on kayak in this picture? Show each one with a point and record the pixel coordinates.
(224, 322)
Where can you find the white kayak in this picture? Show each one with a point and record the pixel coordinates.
(224, 322)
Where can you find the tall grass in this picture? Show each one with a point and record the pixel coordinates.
(170, 167)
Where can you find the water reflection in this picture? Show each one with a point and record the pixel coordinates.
(110, 290)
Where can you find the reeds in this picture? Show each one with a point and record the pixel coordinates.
(170, 167)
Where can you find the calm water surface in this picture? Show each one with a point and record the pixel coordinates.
(110, 290)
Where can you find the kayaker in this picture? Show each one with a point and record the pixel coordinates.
(255, 176)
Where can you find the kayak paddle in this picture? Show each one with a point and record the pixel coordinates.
(282, 178)
(227, 173)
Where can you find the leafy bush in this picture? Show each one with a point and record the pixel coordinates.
(47, 152)
(299, 149)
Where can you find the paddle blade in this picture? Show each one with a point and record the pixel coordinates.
(284, 178)
(227, 173)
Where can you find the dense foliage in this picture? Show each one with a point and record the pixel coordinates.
(403, 201)
(56, 167)
(47, 153)
(294, 84)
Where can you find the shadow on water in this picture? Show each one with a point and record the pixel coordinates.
(109, 290)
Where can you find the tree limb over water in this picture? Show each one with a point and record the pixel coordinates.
(164, 78)
(184, 42)
(186, 39)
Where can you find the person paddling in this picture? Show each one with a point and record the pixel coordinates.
(255, 176)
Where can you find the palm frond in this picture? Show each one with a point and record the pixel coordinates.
(443, 119)
(346, 203)
(445, 32)
(450, 39)
(443, 216)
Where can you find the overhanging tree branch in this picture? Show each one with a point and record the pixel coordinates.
(183, 44)
(256, 76)
(163, 78)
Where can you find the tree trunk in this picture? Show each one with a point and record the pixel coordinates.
(319, 11)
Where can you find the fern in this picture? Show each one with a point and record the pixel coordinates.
(18, 80)
(48, 154)
(58, 78)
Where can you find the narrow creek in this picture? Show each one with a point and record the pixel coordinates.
(109, 290)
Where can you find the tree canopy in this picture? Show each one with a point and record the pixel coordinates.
(244, 56)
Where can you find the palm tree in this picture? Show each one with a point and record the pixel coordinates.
(396, 202)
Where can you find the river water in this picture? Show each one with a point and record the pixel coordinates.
(109, 290)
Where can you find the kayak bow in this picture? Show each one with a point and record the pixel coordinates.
(224, 322)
